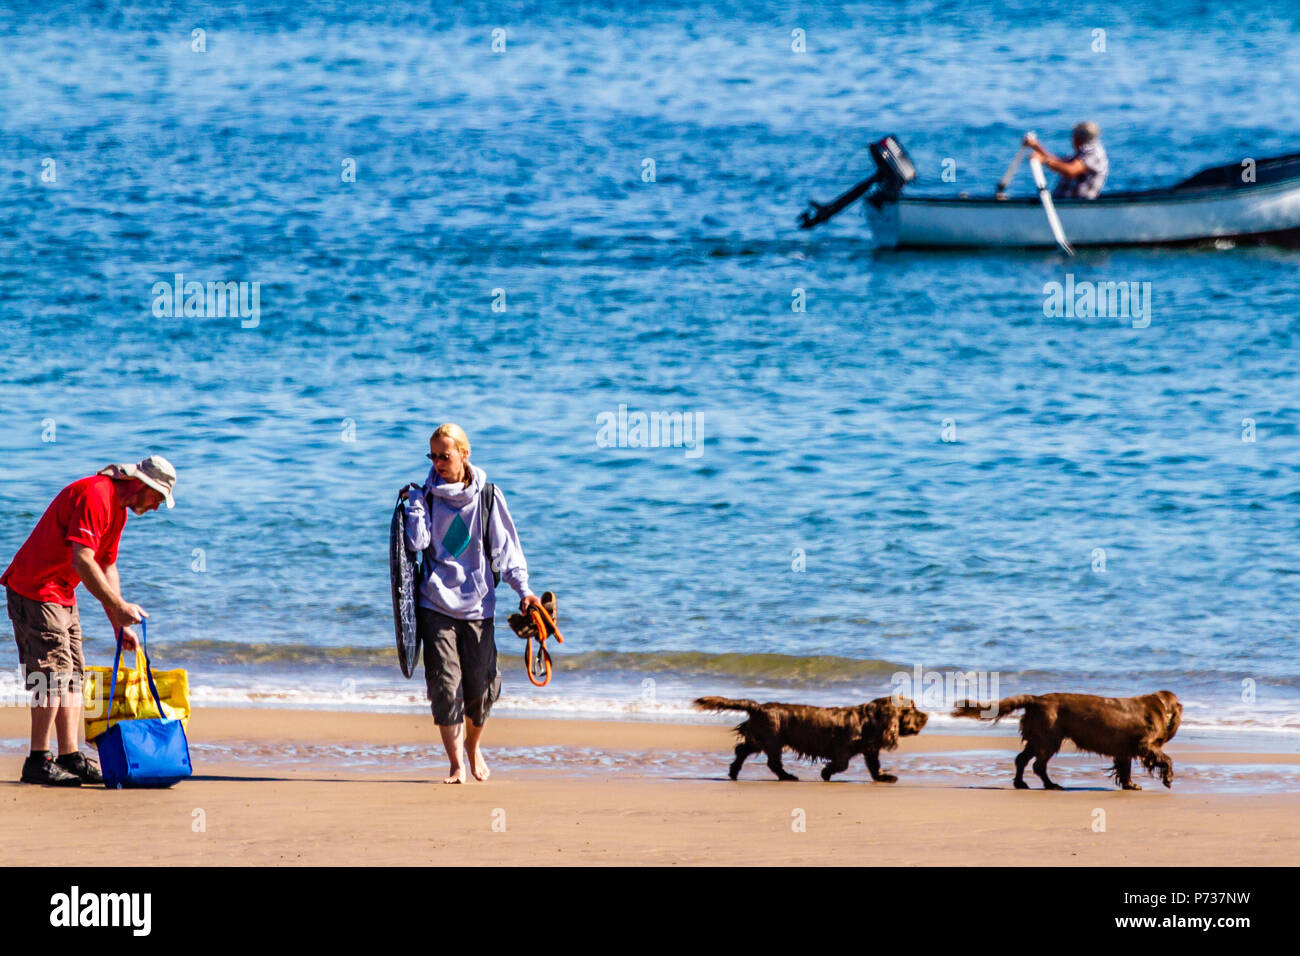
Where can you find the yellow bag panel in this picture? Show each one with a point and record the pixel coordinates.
(133, 698)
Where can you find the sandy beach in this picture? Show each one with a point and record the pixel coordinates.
(306, 787)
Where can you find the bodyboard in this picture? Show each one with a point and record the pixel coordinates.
(402, 567)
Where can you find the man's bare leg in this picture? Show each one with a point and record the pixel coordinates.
(67, 724)
(43, 716)
(452, 736)
(477, 764)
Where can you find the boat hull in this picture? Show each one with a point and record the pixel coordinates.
(1265, 213)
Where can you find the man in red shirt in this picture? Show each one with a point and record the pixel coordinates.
(75, 542)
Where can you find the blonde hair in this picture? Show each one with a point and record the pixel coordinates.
(461, 441)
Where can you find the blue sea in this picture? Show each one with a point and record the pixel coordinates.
(522, 216)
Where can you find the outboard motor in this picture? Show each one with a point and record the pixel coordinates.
(894, 170)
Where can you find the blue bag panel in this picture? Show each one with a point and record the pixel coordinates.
(144, 753)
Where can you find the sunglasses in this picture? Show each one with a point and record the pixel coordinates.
(445, 456)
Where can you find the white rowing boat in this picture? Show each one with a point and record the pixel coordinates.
(1255, 201)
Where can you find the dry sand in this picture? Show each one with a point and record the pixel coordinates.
(265, 808)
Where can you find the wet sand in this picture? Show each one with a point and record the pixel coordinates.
(282, 786)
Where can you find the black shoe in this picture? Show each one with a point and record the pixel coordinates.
(49, 774)
(82, 766)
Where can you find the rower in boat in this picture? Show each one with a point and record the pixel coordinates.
(1242, 200)
(1084, 173)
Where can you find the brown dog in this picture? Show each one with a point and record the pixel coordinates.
(1118, 727)
(834, 734)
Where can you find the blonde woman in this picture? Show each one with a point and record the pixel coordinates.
(457, 599)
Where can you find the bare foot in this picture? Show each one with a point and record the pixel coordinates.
(455, 775)
(477, 765)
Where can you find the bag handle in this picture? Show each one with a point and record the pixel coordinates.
(148, 671)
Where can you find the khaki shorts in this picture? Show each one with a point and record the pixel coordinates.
(49, 645)
(460, 667)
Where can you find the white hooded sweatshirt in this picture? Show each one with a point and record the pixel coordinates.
(458, 582)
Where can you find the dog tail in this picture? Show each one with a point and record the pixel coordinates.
(726, 703)
(991, 711)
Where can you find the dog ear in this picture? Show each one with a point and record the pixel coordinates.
(1175, 720)
(887, 717)
(1172, 711)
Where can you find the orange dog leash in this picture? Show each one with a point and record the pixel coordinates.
(539, 664)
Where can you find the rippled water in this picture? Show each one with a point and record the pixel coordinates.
(1077, 439)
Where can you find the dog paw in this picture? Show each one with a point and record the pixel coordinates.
(1168, 782)
(1053, 786)
(1132, 786)
(789, 776)
(886, 778)
(1021, 785)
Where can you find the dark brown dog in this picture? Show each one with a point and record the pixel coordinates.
(834, 734)
(1118, 727)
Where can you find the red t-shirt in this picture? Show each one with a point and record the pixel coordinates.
(87, 512)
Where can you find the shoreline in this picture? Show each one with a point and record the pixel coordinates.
(660, 685)
(265, 725)
(624, 698)
(330, 787)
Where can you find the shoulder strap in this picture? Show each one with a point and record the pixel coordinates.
(430, 554)
(487, 499)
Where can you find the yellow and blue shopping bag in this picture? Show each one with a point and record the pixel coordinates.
(138, 748)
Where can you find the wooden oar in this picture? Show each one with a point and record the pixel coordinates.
(1049, 207)
(1005, 181)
